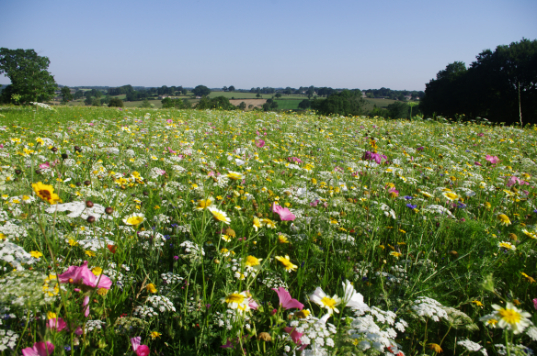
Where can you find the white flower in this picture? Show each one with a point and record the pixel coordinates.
(511, 318)
(320, 298)
(352, 298)
(469, 345)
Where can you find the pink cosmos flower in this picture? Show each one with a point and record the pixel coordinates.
(260, 143)
(492, 159)
(286, 300)
(83, 275)
(45, 165)
(295, 335)
(514, 180)
(169, 121)
(315, 202)
(170, 150)
(141, 350)
(477, 163)
(58, 324)
(85, 306)
(372, 156)
(284, 213)
(535, 303)
(39, 349)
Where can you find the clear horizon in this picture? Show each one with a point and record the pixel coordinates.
(347, 44)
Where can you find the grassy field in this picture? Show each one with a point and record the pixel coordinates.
(290, 104)
(239, 95)
(213, 232)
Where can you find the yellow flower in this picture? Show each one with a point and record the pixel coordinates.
(151, 288)
(155, 334)
(286, 262)
(219, 215)
(36, 254)
(46, 192)
(97, 271)
(235, 176)
(269, 223)
(504, 219)
(204, 203)
(506, 245)
(257, 224)
(2, 236)
(51, 315)
(477, 303)
(282, 239)
(102, 291)
(90, 253)
(450, 196)
(530, 279)
(134, 219)
(72, 242)
(436, 348)
(395, 254)
(252, 261)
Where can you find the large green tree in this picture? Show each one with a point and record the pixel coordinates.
(347, 103)
(201, 90)
(501, 85)
(66, 94)
(28, 74)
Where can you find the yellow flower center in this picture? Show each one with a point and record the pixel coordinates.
(510, 316)
(235, 298)
(329, 302)
(135, 220)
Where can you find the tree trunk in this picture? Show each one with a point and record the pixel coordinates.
(519, 105)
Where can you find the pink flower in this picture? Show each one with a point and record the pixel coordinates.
(284, 213)
(477, 163)
(82, 275)
(260, 143)
(169, 121)
(492, 159)
(535, 303)
(85, 306)
(514, 180)
(170, 150)
(295, 335)
(141, 350)
(39, 349)
(58, 324)
(286, 300)
(315, 202)
(371, 156)
(45, 165)
(394, 191)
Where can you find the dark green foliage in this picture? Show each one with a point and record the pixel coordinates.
(499, 85)
(116, 102)
(242, 105)
(347, 103)
(66, 94)
(28, 74)
(219, 102)
(79, 94)
(168, 103)
(270, 105)
(201, 90)
(304, 104)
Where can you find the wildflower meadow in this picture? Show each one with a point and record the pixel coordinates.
(190, 232)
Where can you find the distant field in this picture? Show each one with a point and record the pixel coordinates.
(238, 95)
(135, 104)
(288, 104)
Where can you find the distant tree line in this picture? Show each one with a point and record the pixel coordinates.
(500, 86)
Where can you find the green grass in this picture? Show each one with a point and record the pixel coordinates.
(291, 104)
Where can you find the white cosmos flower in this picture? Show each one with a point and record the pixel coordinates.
(352, 298)
(319, 297)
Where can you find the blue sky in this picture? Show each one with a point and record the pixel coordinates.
(251, 43)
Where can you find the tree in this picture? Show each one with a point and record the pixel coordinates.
(201, 90)
(66, 94)
(242, 105)
(346, 103)
(270, 105)
(304, 104)
(79, 94)
(500, 85)
(28, 74)
(278, 95)
(231, 88)
(116, 102)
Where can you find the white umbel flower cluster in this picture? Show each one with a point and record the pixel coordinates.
(161, 303)
(8, 339)
(430, 308)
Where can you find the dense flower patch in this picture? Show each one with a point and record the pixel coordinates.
(187, 232)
